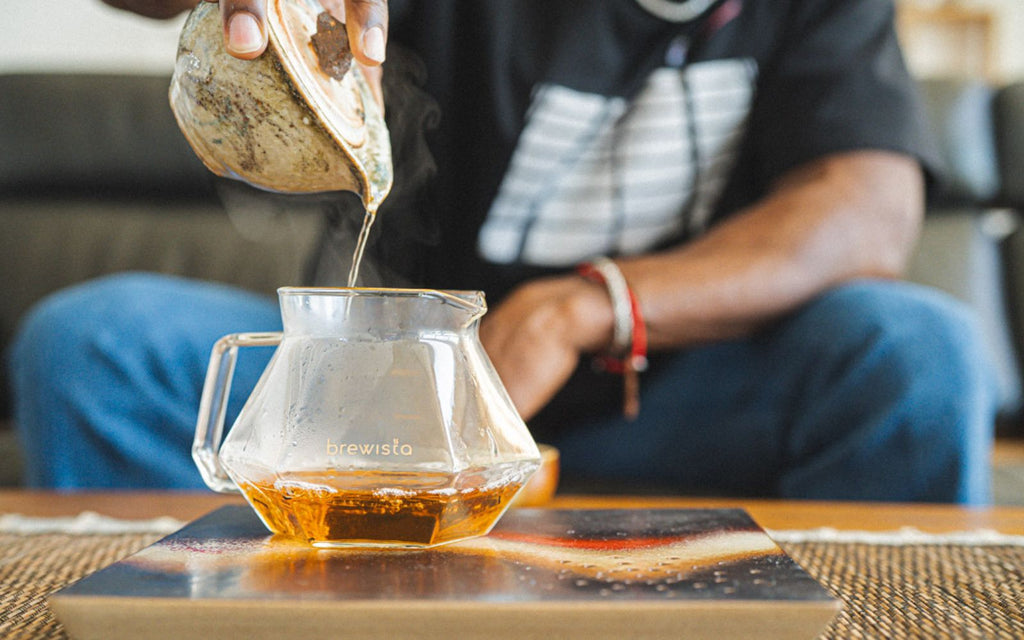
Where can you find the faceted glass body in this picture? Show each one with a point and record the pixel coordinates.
(379, 421)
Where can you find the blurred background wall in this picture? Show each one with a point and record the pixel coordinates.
(83, 35)
(958, 38)
(942, 38)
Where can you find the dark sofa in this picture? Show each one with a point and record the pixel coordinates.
(972, 245)
(95, 178)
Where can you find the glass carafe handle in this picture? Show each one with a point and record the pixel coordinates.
(214, 403)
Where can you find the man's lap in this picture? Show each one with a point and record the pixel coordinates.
(792, 411)
(108, 373)
(875, 390)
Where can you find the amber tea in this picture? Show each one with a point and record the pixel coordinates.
(375, 508)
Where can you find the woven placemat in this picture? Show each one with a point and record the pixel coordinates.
(919, 590)
(888, 591)
(34, 566)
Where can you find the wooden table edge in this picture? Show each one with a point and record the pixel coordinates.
(772, 514)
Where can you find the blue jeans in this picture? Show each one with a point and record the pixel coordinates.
(873, 391)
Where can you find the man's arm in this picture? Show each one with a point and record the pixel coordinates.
(245, 30)
(839, 218)
(160, 9)
(842, 217)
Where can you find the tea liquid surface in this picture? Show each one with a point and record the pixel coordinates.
(375, 508)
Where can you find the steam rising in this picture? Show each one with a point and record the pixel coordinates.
(403, 230)
(403, 227)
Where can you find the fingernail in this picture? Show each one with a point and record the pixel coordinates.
(373, 44)
(244, 34)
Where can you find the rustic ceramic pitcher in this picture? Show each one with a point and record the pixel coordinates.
(379, 421)
(301, 118)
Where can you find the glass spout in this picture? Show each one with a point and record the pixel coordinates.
(472, 303)
(341, 312)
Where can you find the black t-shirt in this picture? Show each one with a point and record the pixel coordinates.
(570, 130)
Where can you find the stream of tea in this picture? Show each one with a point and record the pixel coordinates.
(357, 255)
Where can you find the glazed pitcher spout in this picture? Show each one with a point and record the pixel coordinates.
(301, 118)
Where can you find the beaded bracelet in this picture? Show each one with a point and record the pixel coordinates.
(628, 353)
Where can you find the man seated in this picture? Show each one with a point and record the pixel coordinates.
(753, 172)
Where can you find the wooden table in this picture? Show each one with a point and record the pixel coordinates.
(891, 589)
(771, 514)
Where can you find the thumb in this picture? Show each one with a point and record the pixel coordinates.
(245, 27)
(367, 22)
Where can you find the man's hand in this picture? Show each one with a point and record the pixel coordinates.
(536, 336)
(245, 24)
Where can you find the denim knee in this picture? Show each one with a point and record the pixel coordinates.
(107, 376)
(66, 351)
(924, 334)
(915, 370)
(118, 324)
(63, 328)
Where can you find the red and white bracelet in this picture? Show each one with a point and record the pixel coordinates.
(628, 353)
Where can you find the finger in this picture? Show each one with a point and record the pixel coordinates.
(245, 27)
(367, 22)
(336, 8)
(373, 77)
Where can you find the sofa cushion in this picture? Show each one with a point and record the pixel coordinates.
(94, 133)
(1009, 118)
(961, 118)
(50, 243)
(960, 252)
